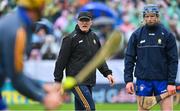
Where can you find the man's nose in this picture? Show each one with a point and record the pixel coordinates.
(149, 18)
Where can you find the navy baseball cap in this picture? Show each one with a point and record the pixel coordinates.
(85, 15)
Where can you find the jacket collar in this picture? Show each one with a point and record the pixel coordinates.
(79, 30)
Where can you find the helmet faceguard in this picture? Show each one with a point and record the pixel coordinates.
(151, 8)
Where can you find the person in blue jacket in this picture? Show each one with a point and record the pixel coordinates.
(15, 44)
(152, 57)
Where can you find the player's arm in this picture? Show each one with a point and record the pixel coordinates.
(62, 59)
(172, 63)
(28, 87)
(105, 70)
(172, 59)
(130, 58)
(44, 93)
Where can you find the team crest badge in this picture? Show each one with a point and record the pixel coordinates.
(142, 87)
(159, 41)
(94, 41)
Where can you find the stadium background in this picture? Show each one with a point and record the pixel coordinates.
(60, 19)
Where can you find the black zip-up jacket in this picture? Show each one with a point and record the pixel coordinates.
(76, 51)
(153, 53)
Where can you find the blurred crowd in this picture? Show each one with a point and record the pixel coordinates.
(123, 15)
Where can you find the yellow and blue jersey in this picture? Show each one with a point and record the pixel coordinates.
(15, 39)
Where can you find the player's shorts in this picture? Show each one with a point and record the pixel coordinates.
(150, 88)
(2, 104)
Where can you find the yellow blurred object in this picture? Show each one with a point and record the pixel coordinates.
(69, 83)
(50, 10)
(31, 4)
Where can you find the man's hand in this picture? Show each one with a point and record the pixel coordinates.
(52, 99)
(111, 80)
(130, 88)
(171, 89)
(59, 88)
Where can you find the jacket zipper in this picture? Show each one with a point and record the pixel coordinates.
(90, 53)
(89, 45)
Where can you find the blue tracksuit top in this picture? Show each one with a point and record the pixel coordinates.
(152, 51)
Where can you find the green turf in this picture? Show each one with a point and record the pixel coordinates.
(99, 107)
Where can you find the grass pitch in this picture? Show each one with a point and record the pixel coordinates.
(99, 107)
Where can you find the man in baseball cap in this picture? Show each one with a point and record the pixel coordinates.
(76, 51)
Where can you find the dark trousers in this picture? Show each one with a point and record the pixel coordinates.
(83, 98)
